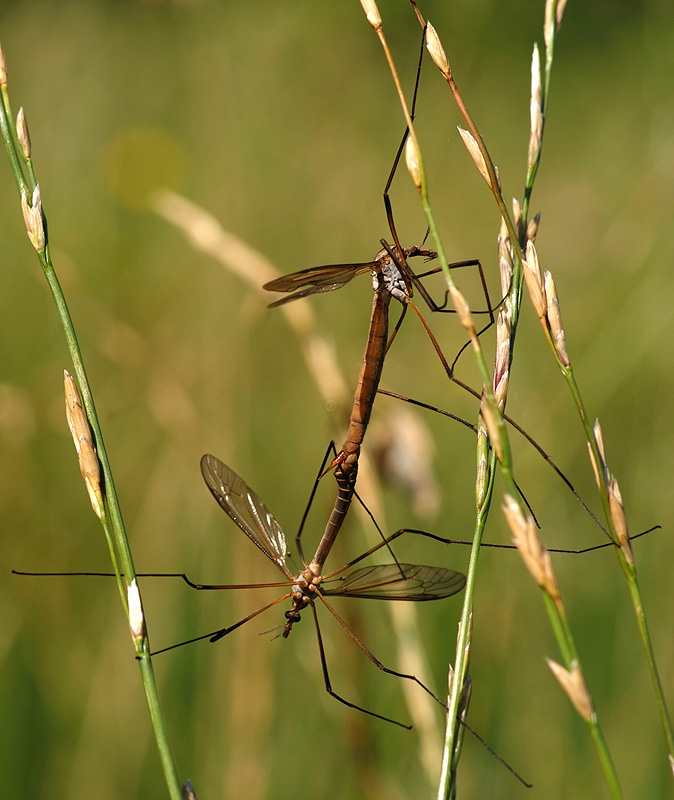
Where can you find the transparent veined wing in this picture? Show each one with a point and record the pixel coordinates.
(246, 509)
(315, 280)
(397, 582)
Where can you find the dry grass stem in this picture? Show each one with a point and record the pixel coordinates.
(207, 235)
(535, 556)
(436, 51)
(573, 685)
(22, 132)
(83, 439)
(555, 319)
(32, 216)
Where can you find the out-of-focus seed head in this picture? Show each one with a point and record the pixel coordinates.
(3, 70)
(436, 51)
(412, 161)
(372, 13)
(22, 133)
(574, 686)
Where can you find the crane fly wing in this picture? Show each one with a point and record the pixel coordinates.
(315, 280)
(246, 509)
(385, 582)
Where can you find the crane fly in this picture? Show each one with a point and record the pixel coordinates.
(398, 581)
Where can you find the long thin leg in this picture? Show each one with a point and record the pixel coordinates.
(374, 659)
(214, 636)
(328, 684)
(298, 544)
(516, 426)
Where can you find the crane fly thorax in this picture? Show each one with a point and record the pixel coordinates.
(302, 594)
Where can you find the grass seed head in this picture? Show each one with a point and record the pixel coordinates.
(535, 111)
(532, 228)
(555, 319)
(535, 556)
(372, 13)
(83, 439)
(574, 686)
(475, 154)
(619, 520)
(3, 70)
(32, 217)
(534, 279)
(412, 161)
(436, 51)
(22, 133)
(136, 621)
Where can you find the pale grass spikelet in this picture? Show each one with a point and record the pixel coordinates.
(535, 556)
(372, 13)
(534, 280)
(80, 430)
(532, 228)
(671, 763)
(3, 70)
(535, 111)
(517, 215)
(32, 217)
(555, 319)
(501, 367)
(475, 154)
(490, 423)
(436, 51)
(619, 520)
(482, 477)
(574, 686)
(412, 161)
(22, 133)
(136, 621)
(599, 441)
(594, 465)
(462, 309)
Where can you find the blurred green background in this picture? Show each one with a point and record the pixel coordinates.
(280, 119)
